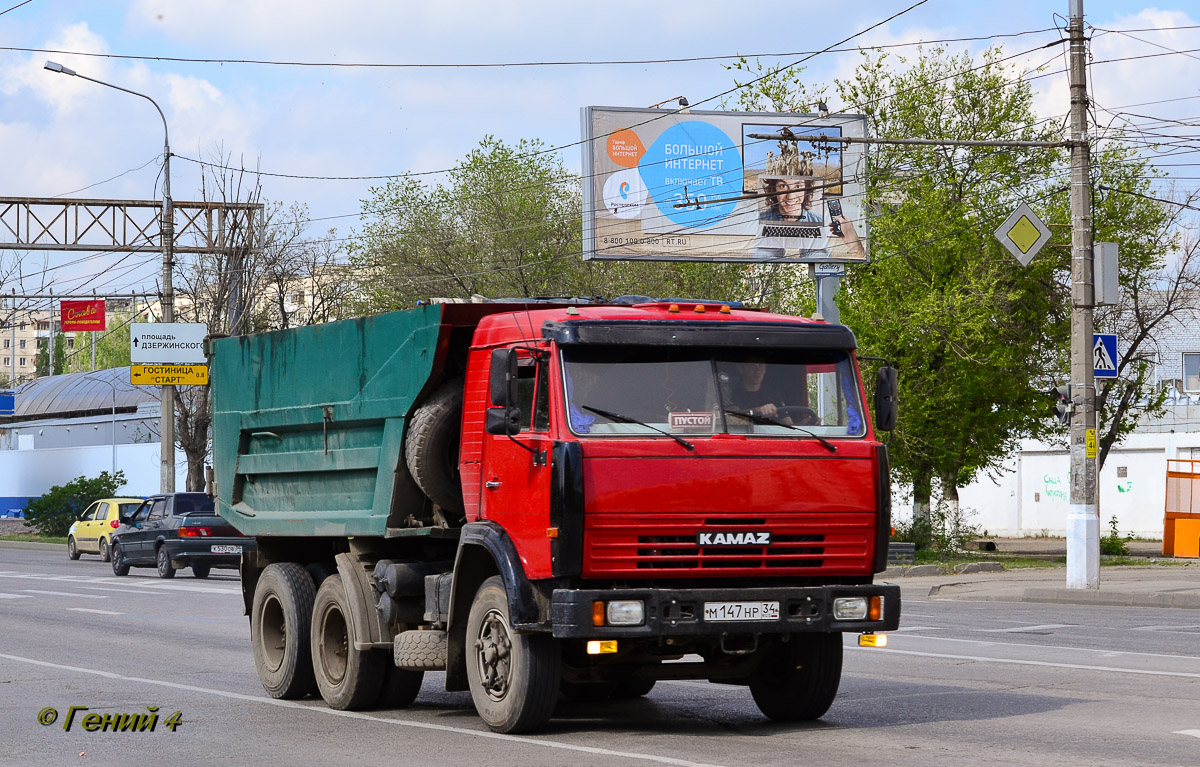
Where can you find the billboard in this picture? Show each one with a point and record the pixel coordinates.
(756, 187)
(82, 315)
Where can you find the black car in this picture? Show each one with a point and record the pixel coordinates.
(173, 531)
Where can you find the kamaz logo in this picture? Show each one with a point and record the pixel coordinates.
(734, 539)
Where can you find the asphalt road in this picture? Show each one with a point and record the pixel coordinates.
(962, 683)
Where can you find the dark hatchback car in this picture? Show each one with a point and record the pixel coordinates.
(173, 531)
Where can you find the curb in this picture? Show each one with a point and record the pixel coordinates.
(1111, 599)
(32, 546)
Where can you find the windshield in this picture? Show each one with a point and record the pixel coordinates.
(691, 391)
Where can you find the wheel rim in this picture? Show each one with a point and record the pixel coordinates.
(71, 546)
(272, 633)
(493, 655)
(117, 557)
(103, 549)
(164, 564)
(335, 645)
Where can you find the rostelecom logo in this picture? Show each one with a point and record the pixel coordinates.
(625, 194)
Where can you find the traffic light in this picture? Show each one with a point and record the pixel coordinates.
(1062, 402)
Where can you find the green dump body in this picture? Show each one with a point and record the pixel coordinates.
(308, 423)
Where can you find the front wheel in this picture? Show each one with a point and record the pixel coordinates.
(72, 550)
(349, 679)
(798, 681)
(514, 678)
(119, 565)
(104, 557)
(163, 561)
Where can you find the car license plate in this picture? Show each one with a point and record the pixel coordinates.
(741, 611)
(219, 548)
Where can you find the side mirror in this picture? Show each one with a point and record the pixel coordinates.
(886, 402)
(503, 421)
(502, 381)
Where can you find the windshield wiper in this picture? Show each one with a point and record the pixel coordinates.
(772, 422)
(626, 419)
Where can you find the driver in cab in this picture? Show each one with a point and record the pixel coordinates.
(752, 395)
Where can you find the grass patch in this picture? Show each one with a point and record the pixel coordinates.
(1010, 561)
(33, 538)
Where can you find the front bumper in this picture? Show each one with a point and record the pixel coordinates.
(680, 612)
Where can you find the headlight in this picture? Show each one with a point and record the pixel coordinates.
(626, 612)
(850, 608)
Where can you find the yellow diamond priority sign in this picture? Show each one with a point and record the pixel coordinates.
(175, 375)
(1023, 234)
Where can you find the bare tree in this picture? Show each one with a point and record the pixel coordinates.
(303, 281)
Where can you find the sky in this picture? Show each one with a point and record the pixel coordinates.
(62, 136)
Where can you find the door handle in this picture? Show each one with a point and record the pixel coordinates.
(492, 484)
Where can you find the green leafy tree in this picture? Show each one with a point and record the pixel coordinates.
(112, 346)
(507, 222)
(54, 512)
(972, 332)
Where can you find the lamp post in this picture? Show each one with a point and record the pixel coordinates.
(167, 427)
(112, 386)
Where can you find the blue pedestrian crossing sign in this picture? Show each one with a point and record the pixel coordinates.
(1104, 355)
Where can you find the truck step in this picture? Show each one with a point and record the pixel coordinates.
(420, 650)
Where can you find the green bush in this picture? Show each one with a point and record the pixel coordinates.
(1113, 544)
(53, 513)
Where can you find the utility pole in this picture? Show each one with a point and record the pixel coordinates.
(1083, 520)
(167, 438)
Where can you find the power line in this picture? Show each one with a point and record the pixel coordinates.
(515, 64)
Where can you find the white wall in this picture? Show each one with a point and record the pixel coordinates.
(1032, 495)
(33, 472)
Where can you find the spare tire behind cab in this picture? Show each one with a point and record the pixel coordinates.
(431, 446)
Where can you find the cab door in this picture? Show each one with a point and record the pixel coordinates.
(140, 546)
(516, 469)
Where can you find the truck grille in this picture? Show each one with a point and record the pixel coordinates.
(803, 543)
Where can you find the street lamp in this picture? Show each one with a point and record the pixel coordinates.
(113, 386)
(167, 428)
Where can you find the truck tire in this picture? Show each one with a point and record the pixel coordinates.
(421, 650)
(431, 447)
(628, 689)
(349, 679)
(513, 677)
(280, 616)
(798, 681)
(400, 687)
(587, 692)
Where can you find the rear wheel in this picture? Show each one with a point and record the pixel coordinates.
(280, 616)
(400, 687)
(119, 565)
(163, 561)
(104, 556)
(349, 679)
(72, 550)
(798, 681)
(201, 571)
(513, 677)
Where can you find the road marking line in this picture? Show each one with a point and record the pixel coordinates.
(201, 589)
(1019, 629)
(526, 741)
(124, 591)
(998, 643)
(1016, 662)
(15, 596)
(1193, 733)
(90, 610)
(919, 628)
(1185, 629)
(66, 594)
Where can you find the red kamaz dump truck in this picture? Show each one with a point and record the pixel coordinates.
(545, 499)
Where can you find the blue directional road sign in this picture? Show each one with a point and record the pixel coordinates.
(1104, 355)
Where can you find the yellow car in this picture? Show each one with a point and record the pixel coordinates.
(90, 533)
